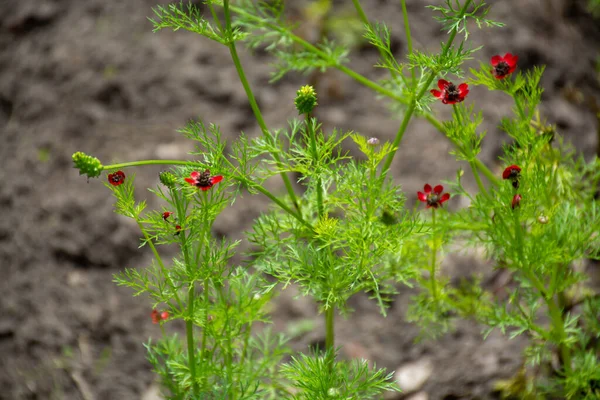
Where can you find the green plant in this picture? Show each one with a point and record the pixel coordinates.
(350, 231)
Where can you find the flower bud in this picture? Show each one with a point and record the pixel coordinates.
(516, 201)
(306, 99)
(87, 165)
(373, 141)
(167, 179)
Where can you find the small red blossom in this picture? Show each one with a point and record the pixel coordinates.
(158, 316)
(450, 93)
(512, 172)
(203, 180)
(177, 229)
(504, 66)
(516, 201)
(117, 178)
(167, 214)
(434, 198)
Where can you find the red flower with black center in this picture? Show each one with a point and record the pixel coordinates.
(434, 198)
(503, 66)
(158, 316)
(203, 180)
(167, 214)
(117, 178)
(516, 201)
(512, 172)
(450, 93)
(177, 229)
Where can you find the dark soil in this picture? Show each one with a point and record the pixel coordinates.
(91, 76)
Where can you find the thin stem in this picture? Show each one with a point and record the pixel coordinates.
(160, 263)
(433, 257)
(150, 162)
(329, 328)
(416, 97)
(553, 309)
(254, 104)
(189, 333)
(206, 321)
(365, 20)
(408, 37)
(482, 188)
(313, 145)
(478, 164)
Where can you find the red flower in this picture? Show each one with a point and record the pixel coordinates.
(203, 180)
(449, 93)
(516, 201)
(117, 178)
(158, 316)
(177, 229)
(512, 172)
(504, 66)
(167, 214)
(433, 198)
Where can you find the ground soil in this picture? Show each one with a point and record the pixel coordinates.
(91, 76)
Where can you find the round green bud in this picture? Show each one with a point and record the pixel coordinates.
(87, 165)
(167, 179)
(306, 99)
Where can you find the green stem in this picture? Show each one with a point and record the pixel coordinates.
(329, 328)
(478, 164)
(313, 146)
(555, 313)
(433, 257)
(416, 97)
(408, 38)
(254, 104)
(365, 20)
(206, 321)
(150, 162)
(161, 264)
(189, 333)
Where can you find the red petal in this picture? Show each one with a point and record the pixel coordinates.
(216, 179)
(190, 181)
(495, 60)
(442, 83)
(445, 197)
(427, 188)
(164, 315)
(510, 59)
(205, 188)
(436, 93)
(195, 175)
(463, 90)
(422, 196)
(438, 189)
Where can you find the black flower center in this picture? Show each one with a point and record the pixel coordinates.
(432, 199)
(452, 92)
(204, 180)
(502, 68)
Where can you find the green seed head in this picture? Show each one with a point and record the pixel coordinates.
(87, 165)
(167, 179)
(306, 99)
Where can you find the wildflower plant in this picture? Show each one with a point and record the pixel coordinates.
(349, 230)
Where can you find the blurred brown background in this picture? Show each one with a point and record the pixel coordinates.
(91, 76)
